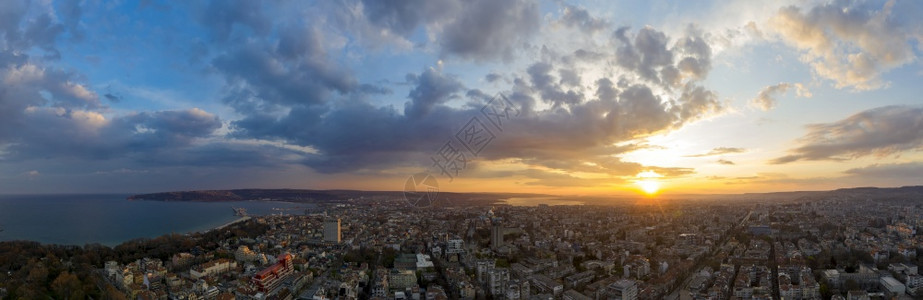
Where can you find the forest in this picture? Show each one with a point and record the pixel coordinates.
(30, 270)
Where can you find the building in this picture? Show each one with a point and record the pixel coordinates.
(574, 295)
(760, 230)
(380, 283)
(244, 254)
(518, 289)
(332, 231)
(545, 284)
(182, 259)
(498, 280)
(454, 246)
(892, 287)
(915, 285)
(399, 280)
(624, 289)
(268, 280)
(496, 236)
(212, 268)
(580, 279)
(857, 295)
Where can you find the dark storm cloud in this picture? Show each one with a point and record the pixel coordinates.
(879, 131)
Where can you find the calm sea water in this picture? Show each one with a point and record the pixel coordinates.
(110, 219)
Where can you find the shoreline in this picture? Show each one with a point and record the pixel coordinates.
(241, 219)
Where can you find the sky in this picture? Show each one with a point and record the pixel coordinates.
(558, 97)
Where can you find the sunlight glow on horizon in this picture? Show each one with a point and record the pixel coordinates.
(648, 182)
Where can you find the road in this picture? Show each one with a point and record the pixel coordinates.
(682, 292)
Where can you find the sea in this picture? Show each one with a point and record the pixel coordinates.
(111, 219)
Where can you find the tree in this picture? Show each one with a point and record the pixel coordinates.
(112, 293)
(67, 286)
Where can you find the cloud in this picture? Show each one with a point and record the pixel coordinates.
(550, 88)
(852, 43)
(576, 130)
(478, 30)
(89, 135)
(879, 131)
(224, 17)
(719, 151)
(725, 162)
(696, 102)
(651, 56)
(33, 174)
(579, 17)
(492, 77)
(544, 178)
(485, 29)
(766, 99)
(284, 75)
(263, 78)
(893, 171)
(113, 98)
(432, 88)
(26, 83)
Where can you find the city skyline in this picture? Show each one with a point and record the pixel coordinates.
(601, 98)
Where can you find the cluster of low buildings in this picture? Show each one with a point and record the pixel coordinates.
(380, 248)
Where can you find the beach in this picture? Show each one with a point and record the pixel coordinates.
(230, 223)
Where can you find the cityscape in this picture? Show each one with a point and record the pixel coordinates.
(849, 244)
(461, 149)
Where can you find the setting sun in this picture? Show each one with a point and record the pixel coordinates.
(648, 182)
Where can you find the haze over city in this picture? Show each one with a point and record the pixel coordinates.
(608, 97)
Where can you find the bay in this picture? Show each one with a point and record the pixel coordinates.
(111, 219)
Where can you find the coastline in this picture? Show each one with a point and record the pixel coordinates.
(241, 219)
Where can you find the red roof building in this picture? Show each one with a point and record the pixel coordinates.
(269, 279)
